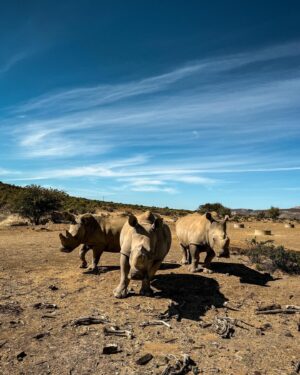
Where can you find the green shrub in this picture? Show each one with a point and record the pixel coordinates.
(273, 213)
(217, 207)
(34, 202)
(268, 257)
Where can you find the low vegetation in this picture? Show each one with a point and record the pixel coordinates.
(34, 202)
(268, 257)
(215, 207)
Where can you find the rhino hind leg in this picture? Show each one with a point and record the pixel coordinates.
(82, 252)
(96, 257)
(185, 255)
(121, 290)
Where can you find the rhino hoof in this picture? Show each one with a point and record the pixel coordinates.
(83, 265)
(146, 292)
(94, 270)
(120, 293)
(195, 270)
(207, 270)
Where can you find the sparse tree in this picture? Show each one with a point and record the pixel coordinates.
(217, 207)
(261, 215)
(274, 213)
(34, 202)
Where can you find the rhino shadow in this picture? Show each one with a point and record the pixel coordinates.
(169, 266)
(247, 275)
(101, 270)
(192, 295)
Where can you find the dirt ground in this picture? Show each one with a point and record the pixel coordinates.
(32, 270)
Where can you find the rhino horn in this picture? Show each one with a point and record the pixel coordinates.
(62, 237)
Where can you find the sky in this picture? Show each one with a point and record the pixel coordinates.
(164, 103)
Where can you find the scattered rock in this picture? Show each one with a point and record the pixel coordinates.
(144, 359)
(181, 367)
(53, 287)
(42, 305)
(21, 356)
(39, 336)
(85, 321)
(11, 308)
(288, 334)
(155, 323)
(223, 327)
(266, 327)
(269, 307)
(296, 366)
(115, 331)
(2, 343)
(111, 349)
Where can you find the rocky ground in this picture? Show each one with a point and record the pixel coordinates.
(43, 292)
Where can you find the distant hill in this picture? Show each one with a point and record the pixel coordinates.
(9, 193)
(285, 213)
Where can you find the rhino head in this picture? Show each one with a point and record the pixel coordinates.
(143, 244)
(217, 236)
(78, 233)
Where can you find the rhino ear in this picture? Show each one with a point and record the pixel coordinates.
(157, 223)
(89, 222)
(226, 218)
(132, 220)
(208, 216)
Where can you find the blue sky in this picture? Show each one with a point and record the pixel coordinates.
(167, 103)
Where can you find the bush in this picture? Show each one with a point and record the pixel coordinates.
(273, 213)
(217, 207)
(261, 215)
(269, 257)
(34, 202)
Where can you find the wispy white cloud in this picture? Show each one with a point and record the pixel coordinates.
(7, 65)
(8, 172)
(187, 126)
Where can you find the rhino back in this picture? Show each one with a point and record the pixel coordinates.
(107, 235)
(192, 229)
(164, 241)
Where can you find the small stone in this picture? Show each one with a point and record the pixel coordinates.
(39, 336)
(144, 359)
(111, 349)
(53, 287)
(288, 334)
(21, 356)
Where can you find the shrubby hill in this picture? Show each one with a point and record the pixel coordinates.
(10, 194)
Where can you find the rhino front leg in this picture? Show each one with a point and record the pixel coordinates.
(146, 288)
(121, 291)
(207, 261)
(194, 253)
(82, 252)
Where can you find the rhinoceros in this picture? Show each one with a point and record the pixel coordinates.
(145, 241)
(202, 233)
(94, 232)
